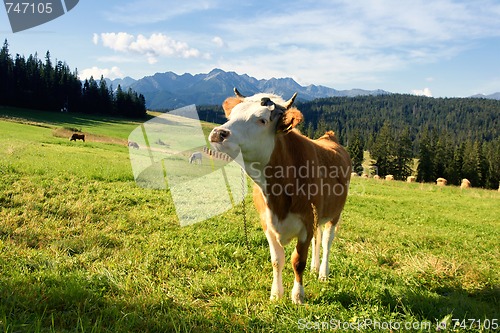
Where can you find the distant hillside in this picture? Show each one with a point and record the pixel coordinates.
(460, 136)
(169, 90)
(491, 96)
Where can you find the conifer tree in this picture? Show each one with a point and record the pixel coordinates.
(382, 149)
(425, 169)
(355, 149)
(403, 159)
(6, 74)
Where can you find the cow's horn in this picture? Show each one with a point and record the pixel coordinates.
(289, 103)
(238, 94)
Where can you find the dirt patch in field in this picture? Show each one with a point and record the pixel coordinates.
(62, 132)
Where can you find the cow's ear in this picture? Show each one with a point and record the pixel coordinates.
(230, 103)
(291, 118)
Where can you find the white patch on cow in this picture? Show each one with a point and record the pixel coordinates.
(251, 130)
(297, 293)
(291, 227)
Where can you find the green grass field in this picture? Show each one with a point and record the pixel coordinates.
(84, 249)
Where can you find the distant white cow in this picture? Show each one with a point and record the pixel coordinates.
(195, 157)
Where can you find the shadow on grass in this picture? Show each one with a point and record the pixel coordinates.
(78, 303)
(428, 305)
(60, 119)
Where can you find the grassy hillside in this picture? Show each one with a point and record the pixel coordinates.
(83, 249)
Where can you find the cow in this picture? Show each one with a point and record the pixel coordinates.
(465, 184)
(195, 158)
(411, 179)
(389, 177)
(133, 144)
(77, 136)
(376, 177)
(300, 184)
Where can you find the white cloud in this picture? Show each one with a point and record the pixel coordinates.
(152, 47)
(425, 92)
(336, 42)
(109, 73)
(218, 41)
(95, 39)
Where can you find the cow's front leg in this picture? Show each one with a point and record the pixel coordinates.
(278, 261)
(299, 261)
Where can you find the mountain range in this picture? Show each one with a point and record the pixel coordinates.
(491, 96)
(169, 90)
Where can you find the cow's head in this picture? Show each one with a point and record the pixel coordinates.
(253, 122)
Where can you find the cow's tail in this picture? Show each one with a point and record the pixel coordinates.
(315, 220)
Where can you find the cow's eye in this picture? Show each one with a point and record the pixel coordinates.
(262, 121)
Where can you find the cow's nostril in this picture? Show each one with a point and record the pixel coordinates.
(219, 134)
(223, 134)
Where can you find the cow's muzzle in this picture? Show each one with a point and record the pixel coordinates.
(218, 135)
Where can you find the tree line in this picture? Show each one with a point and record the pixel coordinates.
(453, 138)
(478, 161)
(44, 85)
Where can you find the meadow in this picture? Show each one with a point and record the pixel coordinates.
(84, 249)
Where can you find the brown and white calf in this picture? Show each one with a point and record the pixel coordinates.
(300, 184)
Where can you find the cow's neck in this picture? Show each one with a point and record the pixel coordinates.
(257, 170)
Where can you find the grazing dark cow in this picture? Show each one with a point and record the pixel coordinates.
(77, 136)
(133, 144)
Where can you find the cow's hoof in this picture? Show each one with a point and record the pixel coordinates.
(322, 278)
(297, 293)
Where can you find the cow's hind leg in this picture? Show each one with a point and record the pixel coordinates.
(299, 261)
(328, 236)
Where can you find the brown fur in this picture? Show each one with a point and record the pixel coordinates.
(77, 136)
(291, 118)
(327, 166)
(229, 104)
(294, 149)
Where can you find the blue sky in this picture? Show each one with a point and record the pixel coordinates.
(443, 48)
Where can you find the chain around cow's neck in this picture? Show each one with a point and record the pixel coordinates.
(243, 207)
